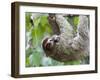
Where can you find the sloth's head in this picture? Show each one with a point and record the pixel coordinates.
(49, 43)
(52, 18)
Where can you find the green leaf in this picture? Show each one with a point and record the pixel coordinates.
(43, 20)
(36, 59)
(55, 63)
(76, 20)
(28, 52)
(37, 21)
(75, 62)
(27, 62)
(27, 21)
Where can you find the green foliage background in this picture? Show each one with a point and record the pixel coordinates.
(35, 56)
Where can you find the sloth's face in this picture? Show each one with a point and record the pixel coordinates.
(52, 17)
(49, 43)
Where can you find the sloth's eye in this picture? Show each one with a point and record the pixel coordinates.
(51, 40)
(56, 40)
(52, 17)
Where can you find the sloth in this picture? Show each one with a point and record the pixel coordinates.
(65, 47)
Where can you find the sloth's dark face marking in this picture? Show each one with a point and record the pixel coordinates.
(56, 38)
(49, 46)
(49, 43)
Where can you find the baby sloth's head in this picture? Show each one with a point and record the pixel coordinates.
(49, 43)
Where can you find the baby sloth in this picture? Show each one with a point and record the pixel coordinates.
(64, 47)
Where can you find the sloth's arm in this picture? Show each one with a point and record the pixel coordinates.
(81, 41)
(53, 23)
(64, 26)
